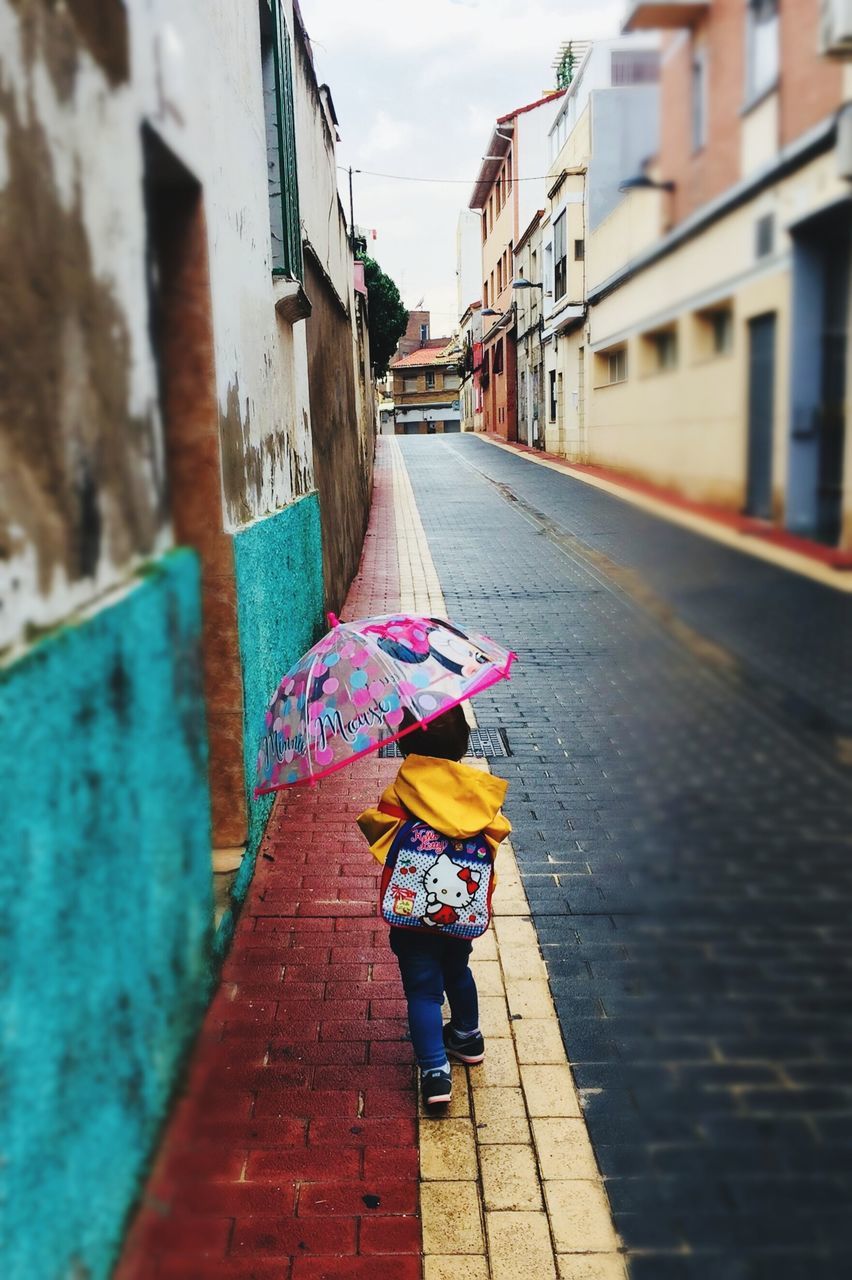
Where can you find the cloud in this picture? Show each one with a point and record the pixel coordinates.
(386, 135)
(418, 85)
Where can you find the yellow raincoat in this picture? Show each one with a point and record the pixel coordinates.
(454, 799)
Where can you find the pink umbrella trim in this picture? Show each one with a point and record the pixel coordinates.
(489, 678)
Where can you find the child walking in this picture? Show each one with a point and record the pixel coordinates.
(438, 805)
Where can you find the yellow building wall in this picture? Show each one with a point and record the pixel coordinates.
(686, 428)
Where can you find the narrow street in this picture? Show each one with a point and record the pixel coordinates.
(681, 807)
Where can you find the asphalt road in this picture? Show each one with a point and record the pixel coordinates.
(681, 795)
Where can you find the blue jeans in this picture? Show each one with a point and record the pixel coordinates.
(429, 967)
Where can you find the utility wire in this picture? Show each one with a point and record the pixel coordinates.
(408, 177)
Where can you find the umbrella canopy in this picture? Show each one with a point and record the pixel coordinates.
(348, 694)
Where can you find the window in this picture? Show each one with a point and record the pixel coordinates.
(551, 403)
(498, 192)
(635, 66)
(485, 292)
(497, 362)
(410, 383)
(424, 333)
(451, 381)
(660, 350)
(764, 236)
(579, 250)
(722, 326)
(279, 113)
(430, 381)
(714, 332)
(559, 258)
(611, 366)
(699, 100)
(761, 47)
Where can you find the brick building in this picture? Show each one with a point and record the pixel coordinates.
(516, 149)
(426, 390)
(718, 356)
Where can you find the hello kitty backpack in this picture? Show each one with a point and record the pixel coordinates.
(435, 884)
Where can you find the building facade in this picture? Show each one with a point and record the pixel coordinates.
(426, 390)
(162, 550)
(470, 340)
(719, 340)
(528, 289)
(606, 126)
(468, 259)
(516, 151)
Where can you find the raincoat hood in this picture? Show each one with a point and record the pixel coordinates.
(453, 798)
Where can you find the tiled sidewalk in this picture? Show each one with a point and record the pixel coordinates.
(294, 1152)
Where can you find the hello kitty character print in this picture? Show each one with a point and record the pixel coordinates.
(449, 890)
(436, 884)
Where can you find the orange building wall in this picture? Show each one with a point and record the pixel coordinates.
(811, 84)
(810, 87)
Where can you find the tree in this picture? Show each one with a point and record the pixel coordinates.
(388, 317)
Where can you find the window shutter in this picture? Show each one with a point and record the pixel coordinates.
(287, 252)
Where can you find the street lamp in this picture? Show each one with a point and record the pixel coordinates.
(521, 283)
(489, 311)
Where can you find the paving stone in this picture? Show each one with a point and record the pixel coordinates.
(549, 1090)
(538, 1040)
(564, 1149)
(499, 1068)
(602, 1266)
(579, 1217)
(510, 1178)
(529, 998)
(436, 1267)
(448, 1151)
(451, 1219)
(519, 1246)
(493, 1017)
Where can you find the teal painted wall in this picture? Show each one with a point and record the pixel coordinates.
(280, 615)
(106, 915)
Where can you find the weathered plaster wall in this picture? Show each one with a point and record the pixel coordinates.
(280, 612)
(83, 439)
(82, 483)
(105, 881)
(341, 475)
(342, 414)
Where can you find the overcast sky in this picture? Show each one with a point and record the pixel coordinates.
(417, 86)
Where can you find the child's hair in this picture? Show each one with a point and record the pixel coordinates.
(447, 736)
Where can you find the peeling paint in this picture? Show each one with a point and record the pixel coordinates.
(78, 470)
(249, 467)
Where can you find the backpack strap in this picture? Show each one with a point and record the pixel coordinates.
(393, 810)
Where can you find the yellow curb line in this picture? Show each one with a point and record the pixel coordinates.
(508, 1179)
(781, 557)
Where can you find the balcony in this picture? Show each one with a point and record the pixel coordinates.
(657, 15)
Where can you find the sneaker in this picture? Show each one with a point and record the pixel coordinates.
(436, 1087)
(469, 1048)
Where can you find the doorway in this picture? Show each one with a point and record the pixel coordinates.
(819, 345)
(761, 414)
(181, 335)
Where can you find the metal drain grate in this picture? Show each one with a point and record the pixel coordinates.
(485, 744)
